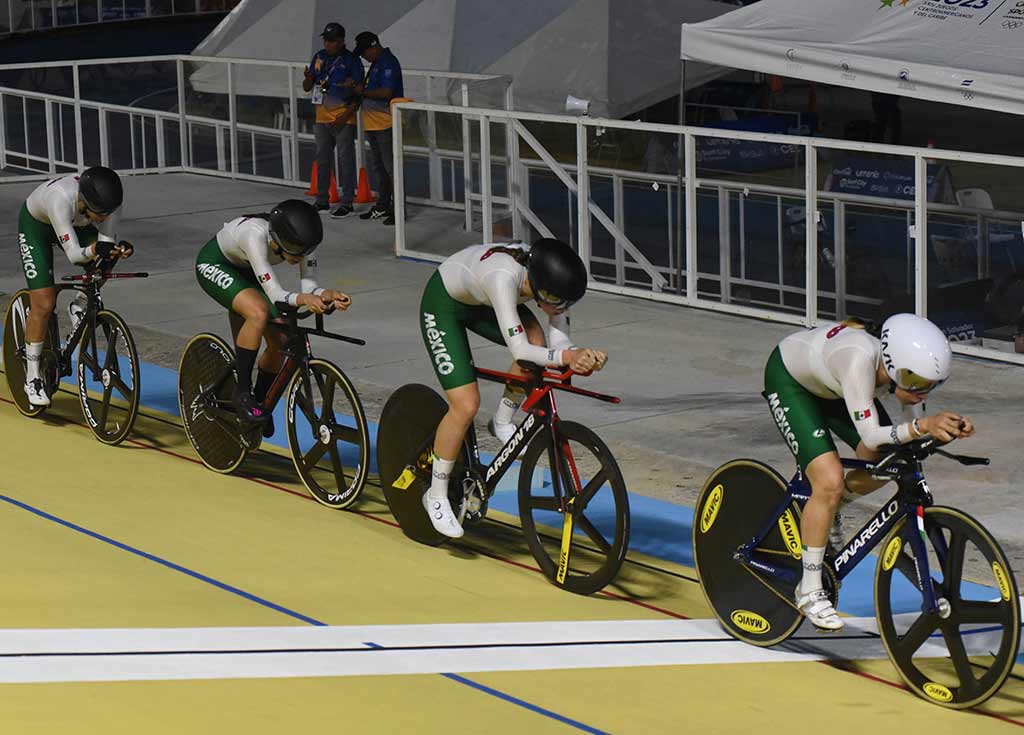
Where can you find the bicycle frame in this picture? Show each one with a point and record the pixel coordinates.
(910, 500)
(297, 353)
(541, 412)
(88, 283)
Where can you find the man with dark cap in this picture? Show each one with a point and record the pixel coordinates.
(383, 83)
(330, 76)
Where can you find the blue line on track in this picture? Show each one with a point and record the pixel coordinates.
(163, 562)
(524, 704)
(279, 608)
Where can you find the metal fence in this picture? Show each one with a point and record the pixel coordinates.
(641, 202)
(227, 117)
(866, 254)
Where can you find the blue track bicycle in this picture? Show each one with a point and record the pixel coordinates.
(946, 600)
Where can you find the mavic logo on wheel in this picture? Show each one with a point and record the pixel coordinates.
(892, 553)
(212, 273)
(27, 261)
(1001, 580)
(710, 512)
(435, 338)
(782, 421)
(876, 525)
(750, 621)
(511, 449)
(937, 692)
(790, 534)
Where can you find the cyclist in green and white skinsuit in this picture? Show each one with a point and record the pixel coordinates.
(825, 380)
(80, 214)
(483, 289)
(236, 269)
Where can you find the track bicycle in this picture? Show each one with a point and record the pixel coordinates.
(107, 367)
(326, 426)
(946, 599)
(577, 528)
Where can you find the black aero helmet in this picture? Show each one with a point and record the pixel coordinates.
(100, 188)
(296, 227)
(557, 275)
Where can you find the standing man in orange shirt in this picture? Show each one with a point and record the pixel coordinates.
(383, 83)
(330, 76)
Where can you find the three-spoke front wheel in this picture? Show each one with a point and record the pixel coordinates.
(960, 655)
(328, 435)
(108, 378)
(574, 508)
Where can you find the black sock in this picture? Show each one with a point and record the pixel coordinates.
(263, 382)
(245, 359)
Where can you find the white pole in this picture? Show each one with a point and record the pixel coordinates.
(920, 233)
(79, 146)
(182, 122)
(583, 196)
(485, 178)
(398, 179)
(811, 219)
(233, 118)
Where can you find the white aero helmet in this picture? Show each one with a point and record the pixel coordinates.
(915, 353)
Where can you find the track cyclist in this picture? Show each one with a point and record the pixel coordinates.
(825, 380)
(236, 269)
(484, 289)
(80, 213)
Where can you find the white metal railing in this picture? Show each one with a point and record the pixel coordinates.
(577, 178)
(46, 133)
(132, 154)
(25, 16)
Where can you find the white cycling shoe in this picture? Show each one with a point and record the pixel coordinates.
(442, 517)
(36, 392)
(817, 608)
(501, 432)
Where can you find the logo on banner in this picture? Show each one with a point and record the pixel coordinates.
(792, 63)
(846, 73)
(891, 4)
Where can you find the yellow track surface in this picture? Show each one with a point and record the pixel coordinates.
(143, 536)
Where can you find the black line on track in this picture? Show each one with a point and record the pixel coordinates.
(378, 648)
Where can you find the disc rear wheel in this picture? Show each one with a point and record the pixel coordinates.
(206, 384)
(736, 502)
(14, 354)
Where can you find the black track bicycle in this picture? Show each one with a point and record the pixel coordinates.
(946, 599)
(327, 432)
(107, 365)
(573, 505)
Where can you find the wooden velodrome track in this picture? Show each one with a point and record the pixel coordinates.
(236, 604)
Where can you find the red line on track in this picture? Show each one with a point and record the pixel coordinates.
(514, 563)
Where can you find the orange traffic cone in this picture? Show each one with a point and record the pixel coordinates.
(312, 191)
(363, 193)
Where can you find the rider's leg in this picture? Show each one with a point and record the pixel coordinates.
(504, 418)
(825, 473)
(270, 362)
(42, 302)
(463, 404)
(254, 310)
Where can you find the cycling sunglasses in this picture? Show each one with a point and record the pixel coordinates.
(911, 382)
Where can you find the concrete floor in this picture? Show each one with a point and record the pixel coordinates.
(689, 380)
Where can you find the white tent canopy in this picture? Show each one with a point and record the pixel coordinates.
(620, 54)
(966, 52)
